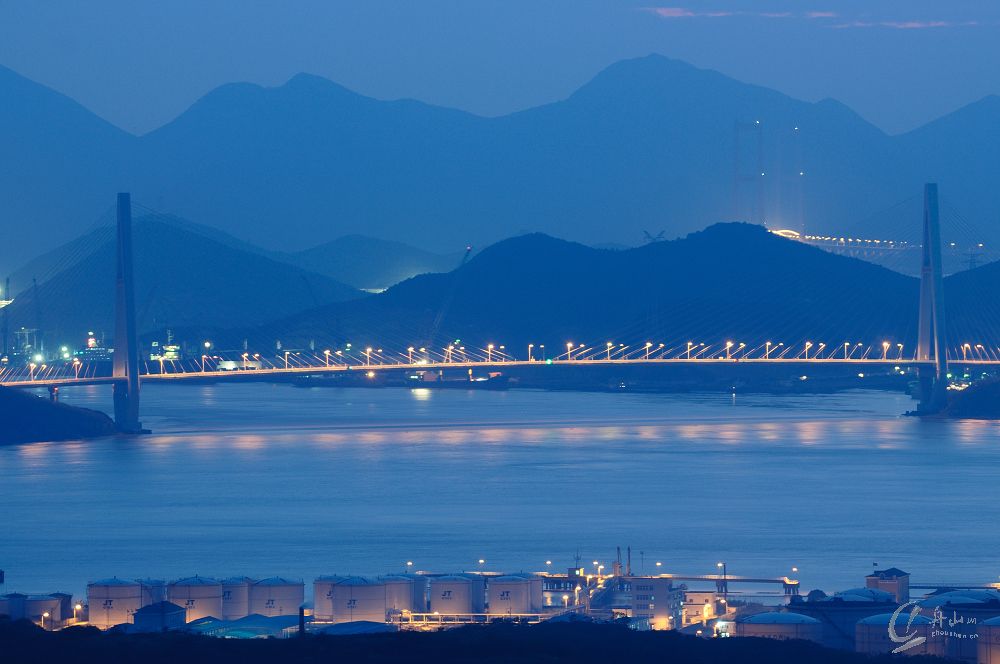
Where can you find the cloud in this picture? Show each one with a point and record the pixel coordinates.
(895, 24)
(905, 25)
(684, 12)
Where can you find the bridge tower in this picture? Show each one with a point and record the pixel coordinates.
(932, 342)
(126, 354)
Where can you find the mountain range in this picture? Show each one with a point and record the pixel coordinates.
(184, 279)
(732, 281)
(648, 144)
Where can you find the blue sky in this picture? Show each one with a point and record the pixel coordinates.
(139, 63)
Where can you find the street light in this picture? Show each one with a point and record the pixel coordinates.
(569, 351)
(900, 347)
(885, 350)
(767, 350)
(489, 352)
(690, 344)
(326, 354)
(76, 607)
(725, 584)
(808, 346)
(44, 616)
(649, 345)
(409, 354)
(76, 366)
(530, 346)
(609, 345)
(729, 346)
(368, 356)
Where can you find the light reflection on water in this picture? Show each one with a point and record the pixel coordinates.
(264, 479)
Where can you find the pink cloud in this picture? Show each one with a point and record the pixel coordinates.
(671, 12)
(905, 25)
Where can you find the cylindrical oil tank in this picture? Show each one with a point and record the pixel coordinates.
(782, 626)
(199, 596)
(420, 585)
(872, 637)
(398, 593)
(277, 596)
(323, 597)
(236, 597)
(509, 595)
(357, 598)
(452, 595)
(153, 591)
(988, 642)
(35, 606)
(113, 601)
(537, 593)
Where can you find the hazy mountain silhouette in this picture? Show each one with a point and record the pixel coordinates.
(729, 282)
(369, 263)
(184, 279)
(649, 143)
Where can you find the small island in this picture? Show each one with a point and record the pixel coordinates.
(979, 401)
(28, 418)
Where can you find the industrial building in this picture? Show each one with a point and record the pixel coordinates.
(275, 596)
(960, 623)
(839, 613)
(656, 603)
(200, 596)
(113, 601)
(159, 617)
(780, 625)
(872, 635)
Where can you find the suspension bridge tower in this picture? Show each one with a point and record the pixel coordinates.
(126, 354)
(931, 341)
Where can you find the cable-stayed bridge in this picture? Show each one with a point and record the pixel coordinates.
(928, 358)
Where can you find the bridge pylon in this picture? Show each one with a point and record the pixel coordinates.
(126, 353)
(932, 341)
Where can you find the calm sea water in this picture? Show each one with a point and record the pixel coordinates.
(267, 479)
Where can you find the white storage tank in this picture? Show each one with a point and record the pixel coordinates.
(871, 634)
(277, 596)
(537, 593)
(201, 597)
(989, 642)
(420, 585)
(37, 605)
(398, 593)
(153, 590)
(323, 597)
(509, 595)
(113, 601)
(357, 598)
(781, 626)
(452, 595)
(236, 597)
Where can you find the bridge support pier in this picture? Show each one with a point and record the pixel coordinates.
(126, 354)
(932, 353)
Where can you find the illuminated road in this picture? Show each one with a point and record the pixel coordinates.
(58, 380)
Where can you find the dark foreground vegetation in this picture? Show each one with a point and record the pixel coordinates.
(548, 643)
(981, 401)
(27, 419)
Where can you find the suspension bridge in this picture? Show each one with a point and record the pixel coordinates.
(928, 360)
